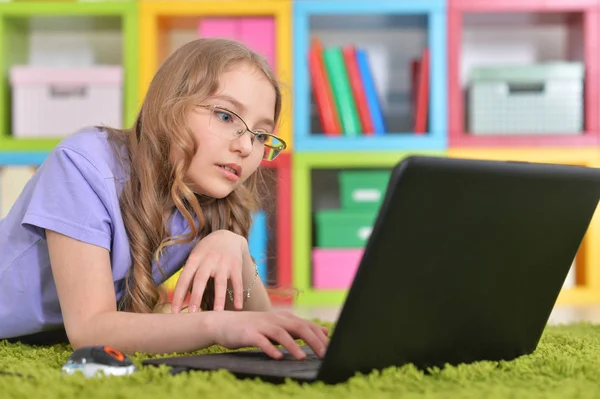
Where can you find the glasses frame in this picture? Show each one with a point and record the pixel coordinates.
(278, 149)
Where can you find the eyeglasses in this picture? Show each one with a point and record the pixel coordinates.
(229, 125)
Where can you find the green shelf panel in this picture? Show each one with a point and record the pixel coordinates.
(310, 297)
(33, 144)
(29, 8)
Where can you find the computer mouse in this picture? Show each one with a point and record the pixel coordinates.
(90, 360)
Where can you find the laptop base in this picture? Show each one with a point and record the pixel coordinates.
(248, 364)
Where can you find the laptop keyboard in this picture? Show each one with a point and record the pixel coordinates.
(260, 361)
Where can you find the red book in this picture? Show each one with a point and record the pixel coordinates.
(358, 90)
(422, 95)
(326, 108)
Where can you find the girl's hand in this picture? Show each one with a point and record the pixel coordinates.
(218, 255)
(267, 329)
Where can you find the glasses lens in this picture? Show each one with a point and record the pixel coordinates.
(273, 147)
(225, 124)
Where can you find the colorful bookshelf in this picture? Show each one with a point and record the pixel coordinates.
(150, 29)
(427, 16)
(158, 20)
(580, 19)
(14, 23)
(303, 166)
(586, 288)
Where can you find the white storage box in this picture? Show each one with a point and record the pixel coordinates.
(56, 101)
(527, 99)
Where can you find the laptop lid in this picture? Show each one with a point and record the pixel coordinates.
(465, 263)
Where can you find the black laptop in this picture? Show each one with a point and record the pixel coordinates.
(465, 263)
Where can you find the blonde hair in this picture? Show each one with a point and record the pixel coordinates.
(156, 185)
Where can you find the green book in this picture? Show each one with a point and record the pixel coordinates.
(342, 91)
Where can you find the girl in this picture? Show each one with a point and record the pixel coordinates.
(111, 214)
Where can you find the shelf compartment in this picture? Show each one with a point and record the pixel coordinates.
(354, 23)
(523, 33)
(586, 284)
(166, 24)
(306, 198)
(24, 27)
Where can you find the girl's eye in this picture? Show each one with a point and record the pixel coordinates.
(262, 137)
(224, 116)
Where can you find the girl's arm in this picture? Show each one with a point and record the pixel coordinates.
(259, 298)
(85, 287)
(84, 283)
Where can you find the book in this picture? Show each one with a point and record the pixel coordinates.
(322, 92)
(340, 84)
(358, 89)
(371, 92)
(422, 95)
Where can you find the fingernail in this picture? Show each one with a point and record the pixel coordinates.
(192, 308)
(323, 351)
(175, 309)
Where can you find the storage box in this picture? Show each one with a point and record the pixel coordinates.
(58, 101)
(343, 229)
(334, 268)
(363, 190)
(529, 99)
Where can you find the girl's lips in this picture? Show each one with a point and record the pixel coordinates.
(228, 174)
(235, 167)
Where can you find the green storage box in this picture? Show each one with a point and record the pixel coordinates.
(363, 190)
(336, 228)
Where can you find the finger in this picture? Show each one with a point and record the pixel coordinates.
(279, 334)
(321, 331)
(266, 346)
(322, 335)
(200, 282)
(238, 290)
(311, 334)
(182, 287)
(220, 290)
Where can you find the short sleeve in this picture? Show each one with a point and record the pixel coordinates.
(70, 196)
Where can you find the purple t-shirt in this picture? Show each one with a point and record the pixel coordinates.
(76, 193)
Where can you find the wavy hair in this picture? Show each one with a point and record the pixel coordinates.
(156, 183)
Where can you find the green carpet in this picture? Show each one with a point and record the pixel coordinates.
(566, 364)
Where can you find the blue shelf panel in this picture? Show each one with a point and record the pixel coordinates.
(370, 143)
(258, 240)
(22, 158)
(435, 11)
(364, 7)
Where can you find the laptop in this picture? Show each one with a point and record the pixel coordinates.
(464, 263)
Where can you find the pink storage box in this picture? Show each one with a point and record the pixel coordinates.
(56, 101)
(335, 268)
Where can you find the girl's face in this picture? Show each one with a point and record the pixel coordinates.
(224, 159)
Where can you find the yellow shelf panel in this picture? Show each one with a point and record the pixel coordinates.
(578, 296)
(569, 156)
(156, 17)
